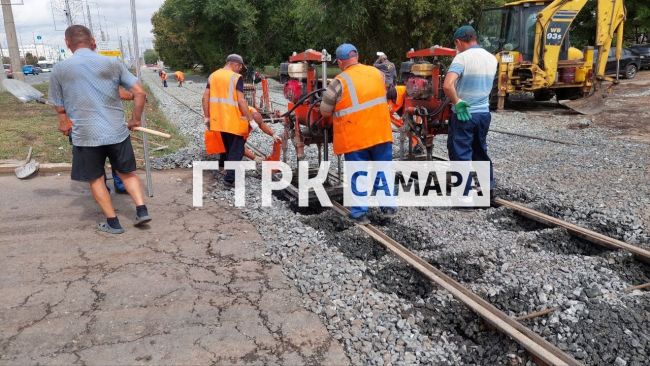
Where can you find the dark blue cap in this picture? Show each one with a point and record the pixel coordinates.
(465, 33)
(343, 51)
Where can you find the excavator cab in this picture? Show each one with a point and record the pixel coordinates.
(510, 28)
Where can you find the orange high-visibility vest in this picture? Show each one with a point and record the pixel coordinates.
(225, 115)
(361, 118)
(399, 102)
(180, 76)
(163, 76)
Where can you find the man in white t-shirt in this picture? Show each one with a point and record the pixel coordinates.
(468, 84)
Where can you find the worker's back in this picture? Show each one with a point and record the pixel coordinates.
(86, 85)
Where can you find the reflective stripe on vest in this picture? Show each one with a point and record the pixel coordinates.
(356, 106)
(230, 100)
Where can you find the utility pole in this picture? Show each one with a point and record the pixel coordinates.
(128, 43)
(68, 13)
(12, 40)
(121, 49)
(35, 46)
(90, 19)
(145, 138)
(3, 76)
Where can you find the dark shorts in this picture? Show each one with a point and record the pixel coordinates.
(88, 161)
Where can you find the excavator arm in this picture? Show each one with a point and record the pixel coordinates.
(610, 20)
(553, 24)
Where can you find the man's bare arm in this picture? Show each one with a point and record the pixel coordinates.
(139, 99)
(205, 102)
(243, 106)
(449, 86)
(65, 124)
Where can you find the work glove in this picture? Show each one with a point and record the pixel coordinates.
(206, 121)
(276, 138)
(253, 125)
(462, 111)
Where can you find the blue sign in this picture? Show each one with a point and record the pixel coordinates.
(62, 50)
(39, 37)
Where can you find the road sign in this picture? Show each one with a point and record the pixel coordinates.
(110, 53)
(39, 38)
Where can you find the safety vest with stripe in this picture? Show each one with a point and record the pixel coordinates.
(361, 118)
(399, 101)
(225, 115)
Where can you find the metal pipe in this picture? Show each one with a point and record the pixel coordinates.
(145, 138)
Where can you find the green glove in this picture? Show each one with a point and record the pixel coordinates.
(462, 111)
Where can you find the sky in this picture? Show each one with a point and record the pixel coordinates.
(35, 17)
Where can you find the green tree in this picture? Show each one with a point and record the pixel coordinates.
(150, 56)
(30, 59)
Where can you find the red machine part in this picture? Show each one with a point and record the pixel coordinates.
(307, 112)
(308, 56)
(432, 51)
(425, 107)
(293, 90)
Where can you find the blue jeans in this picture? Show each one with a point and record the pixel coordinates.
(467, 140)
(381, 152)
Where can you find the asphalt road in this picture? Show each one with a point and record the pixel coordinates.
(38, 79)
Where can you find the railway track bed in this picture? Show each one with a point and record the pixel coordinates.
(383, 311)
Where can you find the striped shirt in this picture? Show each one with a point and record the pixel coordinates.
(476, 69)
(87, 86)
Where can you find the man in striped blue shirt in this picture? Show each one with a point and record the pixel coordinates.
(85, 92)
(468, 84)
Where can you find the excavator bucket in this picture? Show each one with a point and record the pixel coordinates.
(590, 105)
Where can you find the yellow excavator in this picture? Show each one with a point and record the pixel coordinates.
(531, 41)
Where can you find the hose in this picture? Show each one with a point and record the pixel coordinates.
(299, 101)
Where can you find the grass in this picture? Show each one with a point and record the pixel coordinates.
(24, 125)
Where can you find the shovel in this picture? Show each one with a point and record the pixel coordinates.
(29, 168)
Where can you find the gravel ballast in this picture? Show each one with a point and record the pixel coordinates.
(385, 313)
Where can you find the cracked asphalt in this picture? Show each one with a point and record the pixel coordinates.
(192, 288)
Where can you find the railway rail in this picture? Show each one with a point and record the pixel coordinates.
(541, 350)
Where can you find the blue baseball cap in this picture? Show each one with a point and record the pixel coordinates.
(343, 51)
(465, 33)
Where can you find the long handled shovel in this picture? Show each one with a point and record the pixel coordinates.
(29, 168)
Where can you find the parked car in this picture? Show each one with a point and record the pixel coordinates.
(38, 70)
(630, 63)
(643, 50)
(30, 69)
(8, 71)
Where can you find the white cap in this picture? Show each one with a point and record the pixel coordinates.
(379, 53)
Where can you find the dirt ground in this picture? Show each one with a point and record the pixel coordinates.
(627, 108)
(192, 288)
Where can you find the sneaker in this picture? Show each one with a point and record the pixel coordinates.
(389, 212)
(141, 220)
(106, 228)
(360, 220)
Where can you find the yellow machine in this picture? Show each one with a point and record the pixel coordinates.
(531, 40)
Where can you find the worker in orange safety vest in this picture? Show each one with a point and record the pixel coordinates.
(225, 110)
(163, 77)
(396, 96)
(356, 102)
(180, 78)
